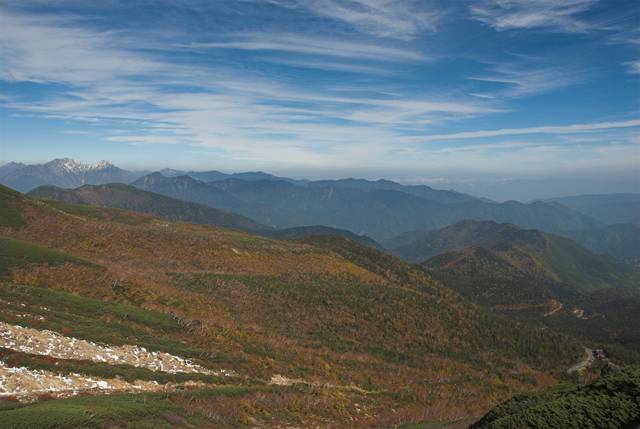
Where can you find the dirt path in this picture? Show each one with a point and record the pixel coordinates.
(557, 307)
(582, 364)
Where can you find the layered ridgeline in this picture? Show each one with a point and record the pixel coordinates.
(536, 276)
(318, 331)
(612, 402)
(622, 241)
(620, 237)
(608, 208)
(130, 198)
(379, 209)
(557, 258)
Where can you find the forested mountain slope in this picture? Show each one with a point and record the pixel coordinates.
(544, 279)
(378, 209)
(612, 402)
(130, 198)
(549, 256)
(328, 312)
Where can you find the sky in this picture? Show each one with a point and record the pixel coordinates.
(501, 98)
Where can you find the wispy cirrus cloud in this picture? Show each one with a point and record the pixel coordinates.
(560, 16)
(527, 79)
(633, 67)
(291, 89)
(244, 115)
(301, 44)
(556, 129)
(399, 19)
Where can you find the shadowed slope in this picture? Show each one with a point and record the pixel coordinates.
(130, 198)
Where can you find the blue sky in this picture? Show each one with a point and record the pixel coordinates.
(440, 92)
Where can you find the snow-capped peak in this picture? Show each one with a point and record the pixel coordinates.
(68, 165)
(101, 165)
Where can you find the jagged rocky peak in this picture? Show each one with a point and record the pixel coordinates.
(72, 166)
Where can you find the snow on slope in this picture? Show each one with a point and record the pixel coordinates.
(49, 343)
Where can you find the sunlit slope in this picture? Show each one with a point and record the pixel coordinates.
(327, 310)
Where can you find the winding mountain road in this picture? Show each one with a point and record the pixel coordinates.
(582, 364)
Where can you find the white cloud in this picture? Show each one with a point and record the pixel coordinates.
(400, 19)
(634, 67)
(338, 66)
(299, 44)
(526, 79)
(559, 129)
(252, 118)
(555, 15)
(245, 115)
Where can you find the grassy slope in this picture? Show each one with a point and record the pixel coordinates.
(17, 253)
(9, 207)
(245, 303)
(114, 411)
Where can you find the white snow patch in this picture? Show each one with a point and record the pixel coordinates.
(49, 343)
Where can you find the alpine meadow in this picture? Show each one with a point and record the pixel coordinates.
(320, 214)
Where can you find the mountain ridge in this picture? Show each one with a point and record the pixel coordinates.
(378, 213)
(130, 198)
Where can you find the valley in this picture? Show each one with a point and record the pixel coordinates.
(108, 289)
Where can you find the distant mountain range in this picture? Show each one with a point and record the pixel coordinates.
(64, 172)
(380, 209)
(608, 208)
(622, 241)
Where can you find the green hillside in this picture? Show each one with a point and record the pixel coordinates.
(17, 253)
(515, 286)
(322, 309)
(550, 258)
(612, 402)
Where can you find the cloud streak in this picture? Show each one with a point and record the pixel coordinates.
(245, 115)
(560, 16)
(295, 43)
(527, 80)
(399, 19)
(560, 129)
(365, 84)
